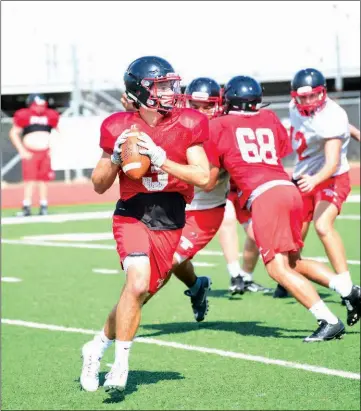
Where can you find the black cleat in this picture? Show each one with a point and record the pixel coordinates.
(25, 212)
(353, 304)
(257, 288)
(199, 301)
(280, 292)
(43, 210)
(326, 332)
(237, 285)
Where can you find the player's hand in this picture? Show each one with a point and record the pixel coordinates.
(306, 183)
(117, 149)
(147, 146)
(25, 155)
(126, 103)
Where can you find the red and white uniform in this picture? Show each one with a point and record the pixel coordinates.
(204, 216)
(150, 214)
(37, 124)
(250, 148)
(309, 135)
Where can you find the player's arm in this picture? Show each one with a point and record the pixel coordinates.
(196, 172)
(332, 155)
(354, 132)
(213, 178)
(104, 174)
(15, 137)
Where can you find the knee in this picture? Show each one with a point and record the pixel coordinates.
(138, 275)
(323, 227)
(138, 285)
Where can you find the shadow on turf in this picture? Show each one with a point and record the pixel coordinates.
(137, 378)
(254, 328)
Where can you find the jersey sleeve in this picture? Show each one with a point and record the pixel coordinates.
(285, 143)
(335, 124)
(21, 119)
(107, 139)
(200, 132)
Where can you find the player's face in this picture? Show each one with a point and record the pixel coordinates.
(165, 92)
(309, 99)
(205, 107)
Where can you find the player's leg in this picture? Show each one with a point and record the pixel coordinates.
(29, 176)
(324, 219)
(201, 226)
(277, 236)
(228, 238)
(281, 292)
(43, 197)
(330, 326)
(45, 174)
(198, 288)
(250, 258)
(145, 275)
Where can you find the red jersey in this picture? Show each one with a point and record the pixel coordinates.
(31, 120)
(181, 129)
(250, 148)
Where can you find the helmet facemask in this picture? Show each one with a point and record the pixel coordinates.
(161, 94)
(307, 109)
(203, 102)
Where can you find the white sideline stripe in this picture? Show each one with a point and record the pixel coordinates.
(112, 247)
(222, 353)
(99, 215)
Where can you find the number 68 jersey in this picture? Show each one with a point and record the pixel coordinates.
(309, 134)
(250, 147)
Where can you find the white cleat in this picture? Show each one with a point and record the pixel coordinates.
(89, 378)
(116, 379)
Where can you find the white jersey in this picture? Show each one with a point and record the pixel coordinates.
(309, 135)
(212, 199)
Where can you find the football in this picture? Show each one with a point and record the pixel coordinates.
(133, 164)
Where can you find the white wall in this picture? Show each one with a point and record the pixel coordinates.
(270, 40)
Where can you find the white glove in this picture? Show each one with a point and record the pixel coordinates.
(115, 157)
(156, 154)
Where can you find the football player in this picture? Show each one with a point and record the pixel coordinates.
(320, 134)
(250, 143)
(30, 135)
(150, 214)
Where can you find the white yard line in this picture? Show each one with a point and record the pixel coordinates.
(112, 247)
(205, 350)
(101, 215)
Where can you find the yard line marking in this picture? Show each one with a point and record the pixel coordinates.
(112, 247)
(71, 237)
(58, 218)
(100, 215)
(222, 353)
(11, 279)
(104, 271)
(202, 264)
(353, 198)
